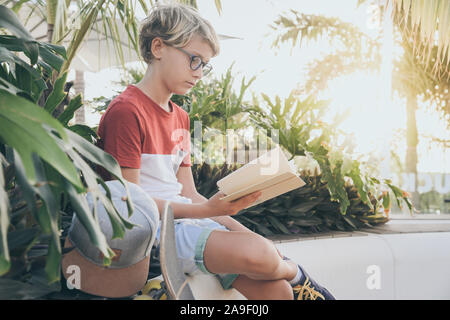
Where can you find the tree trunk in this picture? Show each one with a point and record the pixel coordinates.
(50, 32)
(79, 88)
(412, 142)
(51, 17)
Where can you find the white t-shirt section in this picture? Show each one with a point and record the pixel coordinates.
(158, 176)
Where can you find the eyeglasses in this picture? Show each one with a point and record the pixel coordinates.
(196, 62)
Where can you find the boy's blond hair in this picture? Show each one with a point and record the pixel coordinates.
(175, 24)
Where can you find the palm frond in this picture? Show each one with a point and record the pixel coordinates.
(428, 23)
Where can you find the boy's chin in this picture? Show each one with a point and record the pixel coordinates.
(182, 91)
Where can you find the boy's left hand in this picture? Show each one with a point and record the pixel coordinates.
(220, 207)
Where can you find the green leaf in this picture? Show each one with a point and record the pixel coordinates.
(375, 180)
(307, 222)
(84, 131)
(22, 238)
(277, 224)
(50, 210)
(397, 193)
(47, 68)
(53, 262)
(8, 56)
(117, 221)
(356, 176)
(29, 194)
(81, 208)
(46, 214)
(74, 105)
(304, 207)
(9, 20)
(22, 127)
(30, 48)
(16, 7)
(24, 79)
(6, 86)
(264, 230)
(14, 290)
(5, 262)
(58, 94)
(95, 154)
(38, 86)
(386, 201)
(50, 57)
(218, 6)
(60, 50)
(360, 2)
(350, 221)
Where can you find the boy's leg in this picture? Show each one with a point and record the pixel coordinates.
(263, 289)
(244, 260)
(246, 254)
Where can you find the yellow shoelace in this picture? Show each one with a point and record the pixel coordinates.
(306, 292)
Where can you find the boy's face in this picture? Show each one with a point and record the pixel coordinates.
(177, 74)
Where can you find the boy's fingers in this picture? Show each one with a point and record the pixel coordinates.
(245, 201)
(252, 197)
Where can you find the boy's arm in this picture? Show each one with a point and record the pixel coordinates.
(213, 206)
(184, 176)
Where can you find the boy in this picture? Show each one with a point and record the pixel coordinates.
(149, 136)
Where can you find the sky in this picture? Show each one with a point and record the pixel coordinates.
(374, 117)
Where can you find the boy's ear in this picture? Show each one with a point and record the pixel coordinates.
(156, 48)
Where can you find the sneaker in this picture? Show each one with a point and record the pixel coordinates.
(308, 289)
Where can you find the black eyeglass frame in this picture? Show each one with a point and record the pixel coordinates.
(206, 67)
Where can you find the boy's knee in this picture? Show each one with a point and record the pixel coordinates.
(264, 259)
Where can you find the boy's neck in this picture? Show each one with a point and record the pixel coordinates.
(155, 90)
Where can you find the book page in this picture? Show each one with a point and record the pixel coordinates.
(259, 186)
(278, 189)
(272, 174)
(271, 164)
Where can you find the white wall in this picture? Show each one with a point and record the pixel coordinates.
(409, 265)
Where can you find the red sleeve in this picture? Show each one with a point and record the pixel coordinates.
(187, 143)
(121, 134)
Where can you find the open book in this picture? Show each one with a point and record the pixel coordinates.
(271, 173)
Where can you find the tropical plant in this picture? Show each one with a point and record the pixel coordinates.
(299, 130)
(215, 104)
(46, 166)
(299, 212)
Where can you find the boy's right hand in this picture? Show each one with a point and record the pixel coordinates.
(218, 207)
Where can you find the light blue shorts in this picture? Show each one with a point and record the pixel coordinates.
(191, 236)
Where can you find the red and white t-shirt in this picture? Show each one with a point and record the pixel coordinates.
(138, 133)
